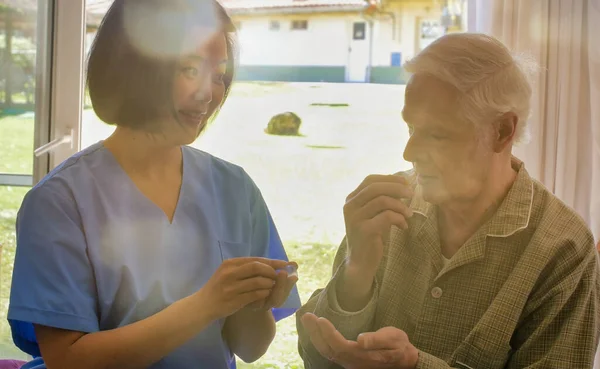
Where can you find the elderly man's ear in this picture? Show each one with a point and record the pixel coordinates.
(505, 129)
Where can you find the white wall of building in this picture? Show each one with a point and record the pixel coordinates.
(409, 15)
(328, 39)
(386, 41)
(324, 43)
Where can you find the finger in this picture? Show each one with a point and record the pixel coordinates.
(254, 269)
(289, 285)
(394, 190)
(252, 284)
(277, 263)
(391, 189)
(386, 338)
(310, 323)
(382, 203)
(381, 223)
(342, 351)
(251, 297)
(278, 294)
(273, 263)
(334, 339)
(374, 178)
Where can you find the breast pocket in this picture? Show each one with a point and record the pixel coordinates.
(469, 356)
(230, 250)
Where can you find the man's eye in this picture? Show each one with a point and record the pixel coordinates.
(437, 137)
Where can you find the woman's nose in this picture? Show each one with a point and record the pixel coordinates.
(204, 92)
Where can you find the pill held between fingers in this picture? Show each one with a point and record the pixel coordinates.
(290, 270)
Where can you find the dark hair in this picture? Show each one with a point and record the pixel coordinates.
(131, 87)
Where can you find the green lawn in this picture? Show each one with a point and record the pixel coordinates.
(16, 144)
(304, 179)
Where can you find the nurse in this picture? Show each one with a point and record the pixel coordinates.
(140, 251)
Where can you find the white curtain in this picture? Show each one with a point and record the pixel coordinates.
(564, 38)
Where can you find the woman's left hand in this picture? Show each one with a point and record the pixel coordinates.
(281, 290)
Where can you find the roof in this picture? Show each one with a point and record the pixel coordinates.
(269, 4)
(99, 7)
(291, 6)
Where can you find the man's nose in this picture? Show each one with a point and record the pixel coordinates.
(413, 149)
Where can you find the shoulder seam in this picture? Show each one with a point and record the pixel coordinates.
(65, 167)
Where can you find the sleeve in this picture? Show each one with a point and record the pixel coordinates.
(53, 282)
(267, 243)
(324, 303)
(428, 361)
(561, 322)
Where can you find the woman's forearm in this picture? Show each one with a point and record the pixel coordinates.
(250, 333)
(134, 346)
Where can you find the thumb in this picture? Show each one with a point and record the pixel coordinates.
(386, 338)
(273, 263)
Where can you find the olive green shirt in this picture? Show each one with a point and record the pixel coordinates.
(522, 292)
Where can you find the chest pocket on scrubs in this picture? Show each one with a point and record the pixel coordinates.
(230, 250)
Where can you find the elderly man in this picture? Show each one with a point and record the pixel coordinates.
(466, 261)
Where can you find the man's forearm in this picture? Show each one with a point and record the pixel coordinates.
(354, 289)
(249, 333)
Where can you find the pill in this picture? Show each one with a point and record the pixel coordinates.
(291, 270)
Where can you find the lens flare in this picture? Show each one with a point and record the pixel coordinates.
(168, 31)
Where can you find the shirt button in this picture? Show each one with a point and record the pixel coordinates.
(436, 292)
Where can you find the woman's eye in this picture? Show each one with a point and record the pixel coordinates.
(190, 72)
(218, 77)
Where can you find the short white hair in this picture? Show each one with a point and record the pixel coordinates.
(491, 79)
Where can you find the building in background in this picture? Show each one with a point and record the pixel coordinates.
(17, 55)
(337, 40)
(330, 40)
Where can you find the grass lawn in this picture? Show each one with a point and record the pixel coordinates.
(348, 132)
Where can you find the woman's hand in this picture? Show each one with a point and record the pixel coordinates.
(239, 282)
(285, 281)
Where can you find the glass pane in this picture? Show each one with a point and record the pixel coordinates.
(291, 61)
(10, 201)
(92, 128)
(18, 33)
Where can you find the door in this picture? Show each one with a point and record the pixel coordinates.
(40, 93)
(24, 97)
(358, 53)
(23, 107)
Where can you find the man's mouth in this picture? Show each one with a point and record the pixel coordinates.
(422, 178)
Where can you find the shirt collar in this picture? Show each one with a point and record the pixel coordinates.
(512, 215)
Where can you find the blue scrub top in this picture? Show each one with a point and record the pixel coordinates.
(93, 253)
